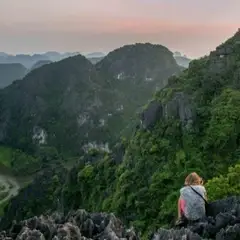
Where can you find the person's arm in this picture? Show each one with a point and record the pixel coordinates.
(179, 208)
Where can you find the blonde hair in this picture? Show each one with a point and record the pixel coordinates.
(193, 179)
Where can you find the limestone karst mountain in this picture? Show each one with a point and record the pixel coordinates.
(39, 64)
(182, 60)
(90, 103)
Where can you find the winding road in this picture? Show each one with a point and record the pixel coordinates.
(11, 186)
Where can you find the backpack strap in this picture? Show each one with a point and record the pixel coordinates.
(198, 194)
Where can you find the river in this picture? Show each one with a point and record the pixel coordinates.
(12, 183)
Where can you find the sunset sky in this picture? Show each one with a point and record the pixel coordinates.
(193, 27)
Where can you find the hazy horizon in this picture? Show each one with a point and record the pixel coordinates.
(192, 28)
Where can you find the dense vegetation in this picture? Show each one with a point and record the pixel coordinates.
(196, 127)
(21, 163)
(225, 185)
(73, 105)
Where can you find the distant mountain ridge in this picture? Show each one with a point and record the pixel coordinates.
(11, 72)
(182, 60)
(40, 64)
(91, 103)
(29, 60)
(95, 55)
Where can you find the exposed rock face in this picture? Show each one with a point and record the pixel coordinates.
(223, 224)
(76, 225)
(152, 114)
(225, 55)
(179, 107)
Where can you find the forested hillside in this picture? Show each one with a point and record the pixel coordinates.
(73, 105)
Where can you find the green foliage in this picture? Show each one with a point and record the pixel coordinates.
(92, 185)
(143, 190)
(23, 163)
(223, 128)
(5, 156)
(20, 162)
(75, 102)
(225, 185)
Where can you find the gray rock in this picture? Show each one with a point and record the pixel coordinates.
(151, 115)
(77, 225)
(179, 107)
(223, 224)
(182, 234)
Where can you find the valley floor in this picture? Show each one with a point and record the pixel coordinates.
(10, 187)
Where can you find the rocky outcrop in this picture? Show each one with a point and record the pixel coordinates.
(151, 115)
(75, 225)
(222, 224)
(178, 107)
(225, 55)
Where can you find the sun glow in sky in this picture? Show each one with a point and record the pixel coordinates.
(193, 27)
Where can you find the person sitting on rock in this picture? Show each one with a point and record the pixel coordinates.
(191, 204)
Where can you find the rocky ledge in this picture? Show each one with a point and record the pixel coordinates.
(77, 225)
(223, 223)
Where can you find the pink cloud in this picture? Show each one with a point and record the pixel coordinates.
(194, 27)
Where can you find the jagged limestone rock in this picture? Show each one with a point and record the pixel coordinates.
(77, 225)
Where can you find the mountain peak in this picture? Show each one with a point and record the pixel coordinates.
(86, 98)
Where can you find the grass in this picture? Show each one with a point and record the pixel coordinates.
(5, 156)
(2, 206)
